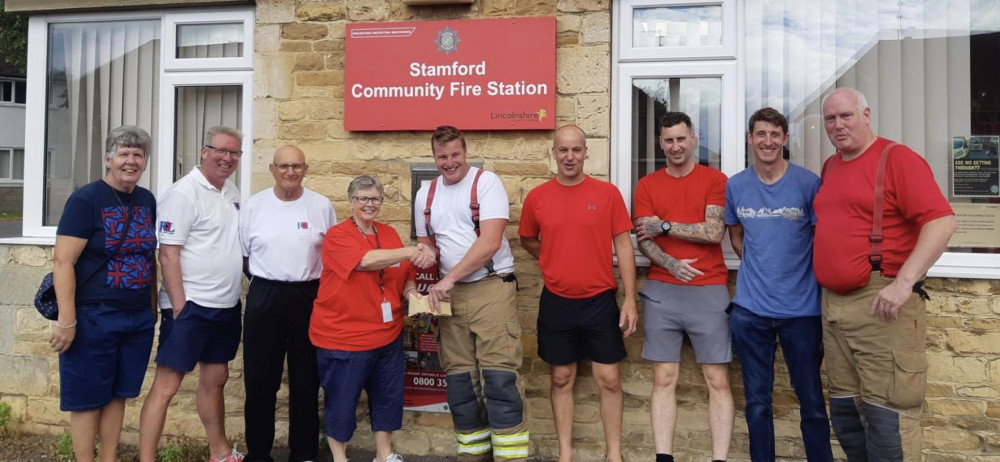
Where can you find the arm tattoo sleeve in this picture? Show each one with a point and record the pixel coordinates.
(709, 231)
(658, 256)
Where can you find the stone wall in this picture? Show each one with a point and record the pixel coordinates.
(961, 416)
(298, 90)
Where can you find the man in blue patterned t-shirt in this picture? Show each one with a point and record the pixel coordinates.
(770, 217)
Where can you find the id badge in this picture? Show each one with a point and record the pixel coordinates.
(386, 312)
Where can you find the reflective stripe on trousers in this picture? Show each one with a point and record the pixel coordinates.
(511, 446)
(475, 443)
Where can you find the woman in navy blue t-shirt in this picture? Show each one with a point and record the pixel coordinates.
(104, 273)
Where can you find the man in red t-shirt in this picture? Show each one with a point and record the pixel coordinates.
(680, 220)
(578, 315)
(874, 323)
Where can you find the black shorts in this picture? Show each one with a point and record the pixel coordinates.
(571, 329)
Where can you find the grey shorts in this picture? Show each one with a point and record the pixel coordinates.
(671, 310)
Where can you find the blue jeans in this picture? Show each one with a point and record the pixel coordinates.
(802, 344)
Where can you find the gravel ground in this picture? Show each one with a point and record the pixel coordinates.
(31, 448)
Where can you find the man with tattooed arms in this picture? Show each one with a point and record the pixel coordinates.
(680, 220)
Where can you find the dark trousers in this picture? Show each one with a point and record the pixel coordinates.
(277, 322)
(802, 345)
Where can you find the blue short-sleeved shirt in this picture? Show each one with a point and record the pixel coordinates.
(776, 275)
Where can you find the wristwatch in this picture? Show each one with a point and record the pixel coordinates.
(665, 227)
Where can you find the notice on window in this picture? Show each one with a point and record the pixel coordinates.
(975, 167)
(978, 225)
(424, 385)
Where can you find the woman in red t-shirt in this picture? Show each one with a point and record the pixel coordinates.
(357, 320)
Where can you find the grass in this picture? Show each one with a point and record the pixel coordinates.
(171, 453)
(184, 449)
(64, 447)
(5, 416)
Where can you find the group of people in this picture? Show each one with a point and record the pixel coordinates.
(831, 267)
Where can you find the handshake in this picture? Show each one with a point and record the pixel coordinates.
(423, 256)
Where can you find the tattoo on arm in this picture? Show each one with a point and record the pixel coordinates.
(658, 256)
(709, 231)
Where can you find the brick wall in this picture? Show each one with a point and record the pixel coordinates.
(298, 90)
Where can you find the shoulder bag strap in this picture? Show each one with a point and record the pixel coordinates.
(128, 226)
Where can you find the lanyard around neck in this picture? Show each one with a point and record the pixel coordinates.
(378, 245)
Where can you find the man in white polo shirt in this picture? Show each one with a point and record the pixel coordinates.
(281, 231)
(201, 264)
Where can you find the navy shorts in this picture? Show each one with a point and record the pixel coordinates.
(344, 374)
(108, 357)
(199, 335)
(571, 329)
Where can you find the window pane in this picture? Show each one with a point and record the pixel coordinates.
(698, 97)
(927, 69)
(5, 164)
(18, 168)
(101, 75)
(197, 109)
(6, 91)
(688, 26)
(210, 40)
(20, 91)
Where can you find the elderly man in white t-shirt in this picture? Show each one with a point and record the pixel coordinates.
(281, 231)
(201, 265)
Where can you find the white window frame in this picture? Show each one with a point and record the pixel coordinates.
(170, 23)
(35, 111)
(731, 127)
(726, 50)
(168, 85)
(630, 63)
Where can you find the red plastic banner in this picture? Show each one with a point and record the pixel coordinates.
(478, 74)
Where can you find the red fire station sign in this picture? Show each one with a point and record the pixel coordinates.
(479, 74)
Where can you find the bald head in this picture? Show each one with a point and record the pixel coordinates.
(289, 169)
(847, 119)
(569, 148)
(851, 94)
(289, 155)
(569, 133)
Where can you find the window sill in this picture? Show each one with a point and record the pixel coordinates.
(950, 265)
(42, 241)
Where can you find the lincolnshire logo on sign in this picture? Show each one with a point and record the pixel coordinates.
(447, 40)
(520, 115)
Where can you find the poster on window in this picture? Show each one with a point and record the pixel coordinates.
(424, 385)
(978, 225)
(475, 74)
(975, 166)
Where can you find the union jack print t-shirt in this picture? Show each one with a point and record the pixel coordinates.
(122, 225)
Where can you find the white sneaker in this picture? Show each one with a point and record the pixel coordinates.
(393, 457)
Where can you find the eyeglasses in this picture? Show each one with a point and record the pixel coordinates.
(295, 167)
(221, 152)
(375, 200)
